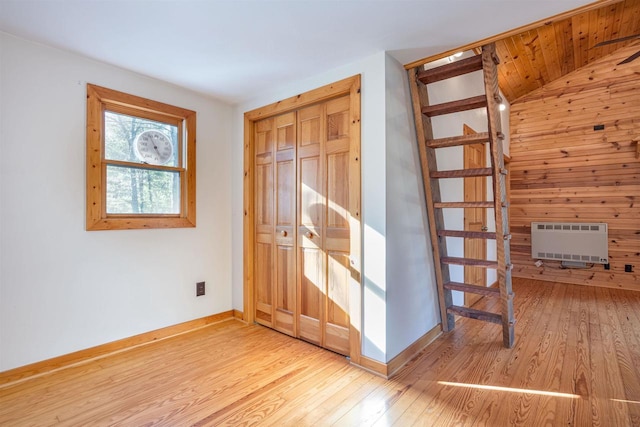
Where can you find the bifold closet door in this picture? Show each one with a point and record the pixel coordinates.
(264, 217)
(302, 223)
(285, 236)
(311, 269)
(275, 165)
(323, 224)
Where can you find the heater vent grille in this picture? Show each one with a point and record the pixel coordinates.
(567, 241)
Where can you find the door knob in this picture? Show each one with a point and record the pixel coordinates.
(309, 234)
(284, 233)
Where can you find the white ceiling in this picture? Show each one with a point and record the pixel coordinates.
(231, 49)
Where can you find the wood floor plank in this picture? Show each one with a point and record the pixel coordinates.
(511, 372)
(620, 376)
(576, 362)
(423, 392)
(544, 353)
(314, 391)
(548, 412)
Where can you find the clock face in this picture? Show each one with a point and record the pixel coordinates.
(153, 147)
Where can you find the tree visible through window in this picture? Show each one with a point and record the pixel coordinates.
(140, 162)
(133, 190)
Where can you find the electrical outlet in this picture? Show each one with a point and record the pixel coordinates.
(199, 289)
(628, 268)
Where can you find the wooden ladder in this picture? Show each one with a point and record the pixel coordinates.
(423, 111)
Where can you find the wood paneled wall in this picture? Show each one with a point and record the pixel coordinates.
(564, 170)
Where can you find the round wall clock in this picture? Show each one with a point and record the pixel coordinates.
(153, 147)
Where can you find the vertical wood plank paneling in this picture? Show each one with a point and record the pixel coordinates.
(564, 170)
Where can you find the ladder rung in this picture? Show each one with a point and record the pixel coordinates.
(454, 141)
(467, 234)
(474, 289)
(441, 205)
(462, 173)
(455, 106)
(457, 68)
(469, 261)
(475, 314)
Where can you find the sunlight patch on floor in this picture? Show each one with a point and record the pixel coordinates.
(511, 389)
(625, 401)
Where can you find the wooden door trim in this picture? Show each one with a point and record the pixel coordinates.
(350, 86)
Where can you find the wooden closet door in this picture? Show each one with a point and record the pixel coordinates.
(323, 228)
(302, 223)
(264, 221)
(311, 206)
(285, 215)
(275, 163)
(337, 233)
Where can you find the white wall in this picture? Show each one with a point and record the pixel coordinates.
(62, 288)
(412, 298)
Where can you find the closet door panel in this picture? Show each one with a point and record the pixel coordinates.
(264, 221)
(337, 317)
(285, 289)
(311, 205)
(285, 214)
(311, 297)
(337, 233)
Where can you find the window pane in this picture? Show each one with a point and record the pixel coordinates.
(129, 139)
(141, 191)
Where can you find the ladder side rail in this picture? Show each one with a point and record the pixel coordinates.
(424, 132)
(490, 61)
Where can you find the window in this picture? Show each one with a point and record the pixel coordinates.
(140, 162)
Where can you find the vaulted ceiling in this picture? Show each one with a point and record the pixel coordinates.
(533, 58)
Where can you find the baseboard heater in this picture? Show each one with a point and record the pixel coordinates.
(573, 243)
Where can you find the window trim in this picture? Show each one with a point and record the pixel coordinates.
(100, 99)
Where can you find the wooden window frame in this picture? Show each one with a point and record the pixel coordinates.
(99, 100)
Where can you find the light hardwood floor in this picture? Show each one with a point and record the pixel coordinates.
(576, 362)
